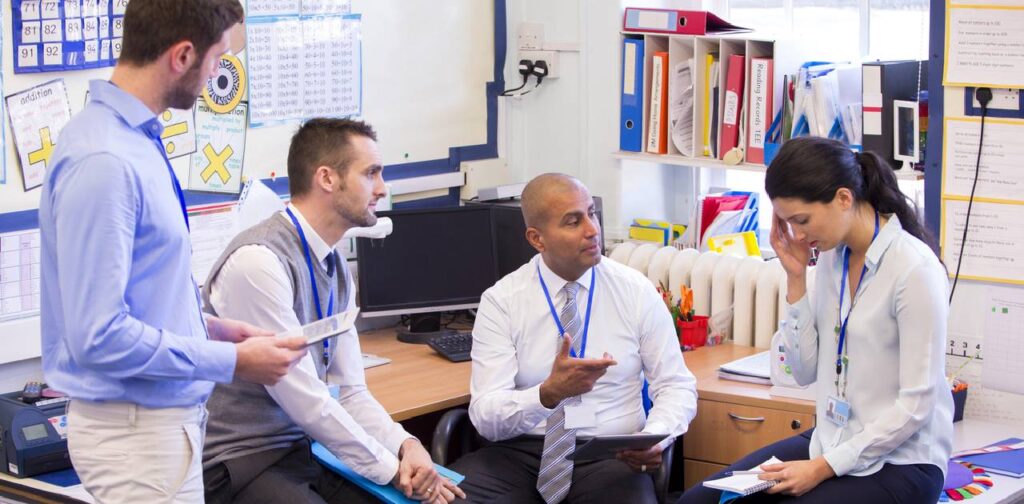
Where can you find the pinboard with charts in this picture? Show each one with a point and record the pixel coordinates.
(291, 60)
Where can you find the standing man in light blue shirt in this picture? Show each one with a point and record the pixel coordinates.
(122, 329)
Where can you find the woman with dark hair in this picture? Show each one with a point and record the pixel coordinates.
(872, 337)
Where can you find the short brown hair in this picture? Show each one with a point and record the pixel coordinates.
(151, 27)
(322, 142)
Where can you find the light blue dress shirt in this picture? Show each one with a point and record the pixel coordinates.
(121, 317)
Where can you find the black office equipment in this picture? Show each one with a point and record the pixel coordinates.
(883, 82)
(454, 347)
(435, 260)
(438, 260)
(33, 436)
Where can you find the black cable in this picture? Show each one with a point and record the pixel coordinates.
(539, 69)
(524, 93)
(525, 70)
(983, 95)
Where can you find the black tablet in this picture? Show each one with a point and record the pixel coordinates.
(605, 447)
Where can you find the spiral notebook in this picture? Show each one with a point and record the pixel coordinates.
(744, 484)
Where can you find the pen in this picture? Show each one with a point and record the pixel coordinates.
(740, 473)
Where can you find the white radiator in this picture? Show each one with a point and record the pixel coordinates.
(749, 289)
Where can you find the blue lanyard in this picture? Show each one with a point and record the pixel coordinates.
(174, 178)
(853, 295)
(312, 280)
(554, 315)
(184, 210)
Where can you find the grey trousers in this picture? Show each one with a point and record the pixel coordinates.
(285, 476)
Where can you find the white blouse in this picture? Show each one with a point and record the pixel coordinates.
(901, 409)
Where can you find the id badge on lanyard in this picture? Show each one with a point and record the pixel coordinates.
(312, 280)
(838, 410)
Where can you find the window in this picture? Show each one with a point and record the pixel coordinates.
(847, 29)
(850, 30)
(898, 29)
(759, 14)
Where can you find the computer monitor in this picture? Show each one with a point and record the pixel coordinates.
(906, 133)
(435, 260)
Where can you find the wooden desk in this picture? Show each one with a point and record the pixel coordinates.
(417, 381)
(734, 418)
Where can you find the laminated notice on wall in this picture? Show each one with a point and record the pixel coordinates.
(303, 67)
(37, 116)
(61, 35)
(220, 146)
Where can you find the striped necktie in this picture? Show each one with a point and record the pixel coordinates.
(555, 474)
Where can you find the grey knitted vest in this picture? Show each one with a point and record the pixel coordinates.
(244, 419)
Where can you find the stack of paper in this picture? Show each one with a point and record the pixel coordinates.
(824, 96)
(680, 112)
(753, 369)
(721, 214)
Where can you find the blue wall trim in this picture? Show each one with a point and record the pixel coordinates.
(19, 221)
(29, 219)
(936, 102)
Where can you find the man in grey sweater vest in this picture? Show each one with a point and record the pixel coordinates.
(282, 273)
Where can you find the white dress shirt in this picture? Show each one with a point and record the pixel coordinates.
(253, 286)
(901, 409)
(515, 340)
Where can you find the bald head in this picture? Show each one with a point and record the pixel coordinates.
(561, 224)
(541, 192)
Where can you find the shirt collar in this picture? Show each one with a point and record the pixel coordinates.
(126, 105)
(886, 235)
(317, 245)
(555, 283)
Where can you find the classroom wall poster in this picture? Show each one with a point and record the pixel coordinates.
(257, 8)
(3, 131)
(994, 240)
(984, 45)
(301, 67)
(61, 35)
(179, 136)
(38, 114)
(19, 274)
(220, 146)
(999, 174)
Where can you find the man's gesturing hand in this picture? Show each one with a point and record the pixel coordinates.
(572, 377)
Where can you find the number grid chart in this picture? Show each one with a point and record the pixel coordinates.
(19, 274)
(61, 35)
(303, 66)
(1003, 320)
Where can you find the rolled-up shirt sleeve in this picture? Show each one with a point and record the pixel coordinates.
(800, 340)
(672, 387)
(102, 334)
(497, 408)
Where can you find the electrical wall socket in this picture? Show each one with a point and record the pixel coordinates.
(530, 36)
(549, 57)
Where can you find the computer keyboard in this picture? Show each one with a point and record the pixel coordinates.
(454, 347)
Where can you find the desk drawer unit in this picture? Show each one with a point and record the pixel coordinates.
(725, 432)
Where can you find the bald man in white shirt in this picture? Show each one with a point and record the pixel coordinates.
(561, 348)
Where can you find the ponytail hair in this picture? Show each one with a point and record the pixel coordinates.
(813, 169)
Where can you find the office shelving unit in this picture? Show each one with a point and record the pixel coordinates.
(787, 56)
